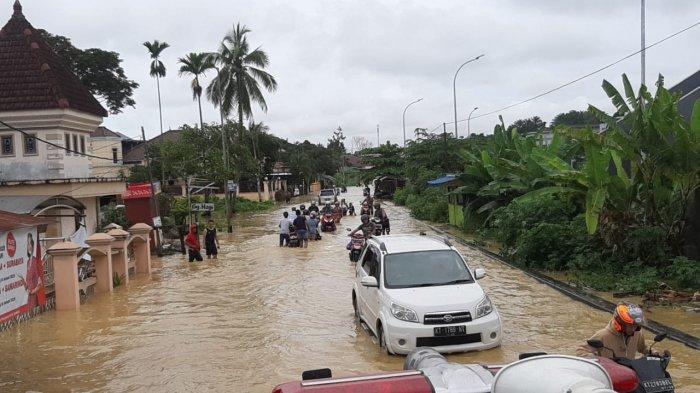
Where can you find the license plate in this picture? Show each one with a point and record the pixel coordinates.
(448, 331)
(658, 385)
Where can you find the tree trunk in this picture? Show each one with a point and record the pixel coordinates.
(199, 102)
(260, 165)
(160, 115)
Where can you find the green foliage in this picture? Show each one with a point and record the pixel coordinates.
(684, 272)
(574, 118)
(112, 214)
(117, 280)
(400, 196)
(430, 204)
(100, 71)
(245, 205)
(549, 245)
(527, 126)
(509, 223)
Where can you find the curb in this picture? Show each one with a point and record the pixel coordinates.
(578, 295)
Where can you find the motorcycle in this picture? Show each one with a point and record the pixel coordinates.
(650, 371)
(293, 236)
(378, 226)
(327, 223)
(357, 242)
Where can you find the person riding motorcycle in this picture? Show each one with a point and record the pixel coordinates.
(622, 337)
(366, 227)
(381, 214)
(327, 209)
(365, 209)
(313, 207)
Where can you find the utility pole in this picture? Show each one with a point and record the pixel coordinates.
(154, 200)
(378, 141)
(643, 42)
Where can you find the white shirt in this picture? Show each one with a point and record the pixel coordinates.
(284, 226)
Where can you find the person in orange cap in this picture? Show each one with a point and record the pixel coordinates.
(623, 337)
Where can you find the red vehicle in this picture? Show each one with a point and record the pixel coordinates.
(426, 371)
(327, 223)
(356, 243)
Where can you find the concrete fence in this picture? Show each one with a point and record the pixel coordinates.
(109, 252)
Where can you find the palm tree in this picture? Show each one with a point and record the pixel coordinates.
(196, 64)
(241, 71)
(255, 130)
(155, 48)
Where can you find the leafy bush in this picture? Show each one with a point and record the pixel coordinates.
(400, 196)
(431, 205)
(684, 272)
(645, 244)
(244, 205)
(112, 214)
(509, 223)
(550, 245)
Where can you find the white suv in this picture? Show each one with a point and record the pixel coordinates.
(417, 291)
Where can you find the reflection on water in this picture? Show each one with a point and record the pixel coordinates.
(259, 315)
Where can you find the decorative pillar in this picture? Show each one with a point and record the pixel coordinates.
(142, 247)
(101, 253)
(65, 270)
(120, 257)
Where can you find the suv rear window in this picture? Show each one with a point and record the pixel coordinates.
(327, 192)
(425, 269)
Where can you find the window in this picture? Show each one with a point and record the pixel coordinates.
(67, 144)
(30, 145)
(370, 263)
(115, 158)
(82, 144)
(8, 145)
(75, 144)
(425, 269)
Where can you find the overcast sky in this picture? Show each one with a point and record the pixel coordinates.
(356, 64)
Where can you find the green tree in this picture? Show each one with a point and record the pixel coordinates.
(157, 70)
(195, 64)
(241, 71)
(100, 71)
(528, 126)
(574, 118)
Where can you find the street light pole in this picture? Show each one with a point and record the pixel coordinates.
(454, 88)
(469, 118)
(404, 119)
(643, 41)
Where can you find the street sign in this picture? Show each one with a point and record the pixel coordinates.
(156, 222)
(202, 207)
(232, 187)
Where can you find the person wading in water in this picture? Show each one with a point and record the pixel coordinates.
(193, 246)
(211, 242)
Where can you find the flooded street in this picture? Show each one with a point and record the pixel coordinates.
(260, 315)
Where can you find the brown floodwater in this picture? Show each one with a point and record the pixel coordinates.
(260, 315)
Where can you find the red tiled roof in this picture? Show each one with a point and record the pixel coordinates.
(32, 76)
(10, 221)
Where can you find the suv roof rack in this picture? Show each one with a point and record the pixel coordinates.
(447, 241)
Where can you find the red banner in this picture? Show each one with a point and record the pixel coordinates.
(137, 191)
(21, 273)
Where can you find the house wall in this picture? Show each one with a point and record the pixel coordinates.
(49, 162)
(102, 147)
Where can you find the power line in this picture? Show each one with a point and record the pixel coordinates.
(53, 144)
(579, 78)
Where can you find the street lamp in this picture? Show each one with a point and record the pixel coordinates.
(404, 119)
(469, 118)
(454, 87)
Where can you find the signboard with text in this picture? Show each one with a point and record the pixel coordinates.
(21, 273)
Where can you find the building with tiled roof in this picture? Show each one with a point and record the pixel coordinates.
(45, 141)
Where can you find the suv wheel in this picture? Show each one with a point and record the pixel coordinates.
(354, 306)
(382, 339)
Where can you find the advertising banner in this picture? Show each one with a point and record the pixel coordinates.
(21, 273)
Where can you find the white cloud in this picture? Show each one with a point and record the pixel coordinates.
(358, 63)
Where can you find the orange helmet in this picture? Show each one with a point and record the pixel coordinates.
(626, 315)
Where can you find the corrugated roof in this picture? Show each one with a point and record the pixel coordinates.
(689, 90)
(10, 221)
(33, 77)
